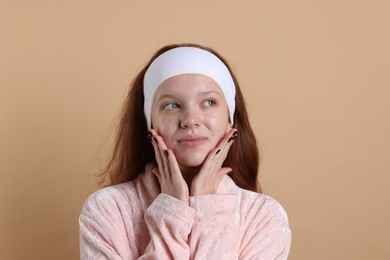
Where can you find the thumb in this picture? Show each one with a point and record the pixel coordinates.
(222, 172)
(156, 172)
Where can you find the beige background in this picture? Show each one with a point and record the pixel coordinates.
(316, 75)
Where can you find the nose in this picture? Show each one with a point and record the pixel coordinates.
(190, 118)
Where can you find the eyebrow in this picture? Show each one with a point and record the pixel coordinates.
(199, 94)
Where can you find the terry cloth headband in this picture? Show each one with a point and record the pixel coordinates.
(187, 60)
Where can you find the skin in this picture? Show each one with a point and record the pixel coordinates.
(191, 135)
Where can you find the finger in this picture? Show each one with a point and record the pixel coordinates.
(228, 140)
(163, 154)
(222, 149)
(158, 153)
(234, 134)
(222, 172)
(157, 173)
(220, 157)
(173, 164)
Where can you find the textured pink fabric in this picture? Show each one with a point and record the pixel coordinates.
(134, 220)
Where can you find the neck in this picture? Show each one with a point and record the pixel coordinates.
(189, 173)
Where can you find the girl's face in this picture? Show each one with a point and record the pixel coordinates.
(190, 113)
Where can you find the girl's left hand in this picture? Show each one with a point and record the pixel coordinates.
(211, 173)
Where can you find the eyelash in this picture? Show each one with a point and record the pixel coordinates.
(168, 106)
(165, 106)
(212, 101)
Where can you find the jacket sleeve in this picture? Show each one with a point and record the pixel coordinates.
(215, 231)
(104, 235)
(102, 230)
(267, 233)
(169, 223)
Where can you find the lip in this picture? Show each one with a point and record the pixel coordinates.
(192, 141)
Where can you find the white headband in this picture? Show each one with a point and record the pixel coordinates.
(187, 60)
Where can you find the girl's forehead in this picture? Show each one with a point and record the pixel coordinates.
(189, 84)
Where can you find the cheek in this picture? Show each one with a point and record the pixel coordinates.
(219, 127)
(164, 126)
(219, 118)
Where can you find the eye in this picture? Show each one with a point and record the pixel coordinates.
(171, 106)
(209, 102)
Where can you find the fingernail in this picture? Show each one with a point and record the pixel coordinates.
(166, 152)
(235, 134)
(150, 136)
(218, 151)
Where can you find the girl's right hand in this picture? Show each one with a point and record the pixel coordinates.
(168, 171)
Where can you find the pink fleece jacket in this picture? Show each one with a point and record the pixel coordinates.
(134, 220)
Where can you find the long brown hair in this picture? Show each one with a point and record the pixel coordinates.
(133, 149)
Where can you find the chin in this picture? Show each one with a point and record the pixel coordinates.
(193, 161)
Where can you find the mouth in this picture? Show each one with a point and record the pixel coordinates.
(192, 141)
